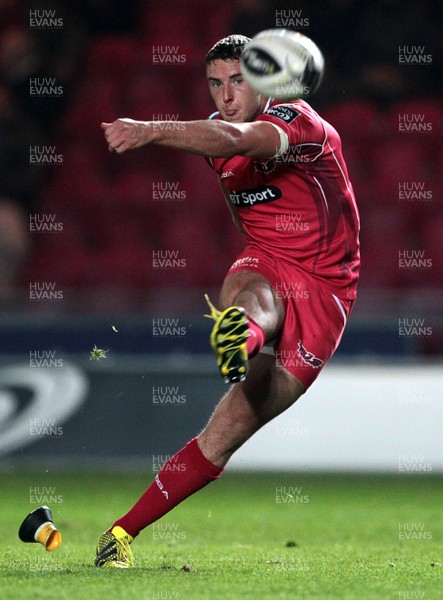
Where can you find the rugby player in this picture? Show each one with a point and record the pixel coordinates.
(286, 299)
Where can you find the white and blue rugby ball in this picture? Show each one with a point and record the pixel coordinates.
(282, 64)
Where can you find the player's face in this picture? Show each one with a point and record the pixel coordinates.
(233, 97)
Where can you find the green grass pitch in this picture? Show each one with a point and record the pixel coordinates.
(275, 535)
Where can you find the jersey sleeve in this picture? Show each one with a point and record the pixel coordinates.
(209, 161)
(301, 126)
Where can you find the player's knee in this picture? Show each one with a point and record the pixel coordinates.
(254, 293)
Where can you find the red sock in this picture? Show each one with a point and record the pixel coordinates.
(256, 339)
(183, 474)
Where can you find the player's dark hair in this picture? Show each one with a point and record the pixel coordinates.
(231, 46)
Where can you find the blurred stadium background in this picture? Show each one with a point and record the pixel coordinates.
(80, 230)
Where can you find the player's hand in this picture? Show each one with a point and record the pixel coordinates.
(126, 134)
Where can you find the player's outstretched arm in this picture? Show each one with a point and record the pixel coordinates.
(217, 139)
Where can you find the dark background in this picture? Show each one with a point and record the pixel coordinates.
(100, 260)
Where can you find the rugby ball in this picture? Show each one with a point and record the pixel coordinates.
(282, 64)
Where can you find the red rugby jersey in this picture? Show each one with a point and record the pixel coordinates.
(299, 207)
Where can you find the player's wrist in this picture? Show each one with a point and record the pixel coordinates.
(152, 133)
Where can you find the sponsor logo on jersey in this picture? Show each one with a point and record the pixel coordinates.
(308, 357)
(285, 113)
(253, 196)
(227, 174)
